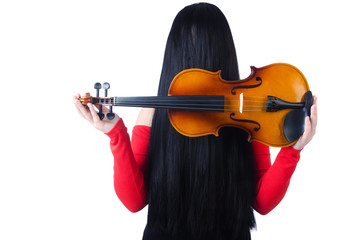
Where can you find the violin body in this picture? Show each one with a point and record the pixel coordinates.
(248, 104)
(271, 104)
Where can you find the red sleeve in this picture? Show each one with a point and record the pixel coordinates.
(272, 180)
(128, 168)
(130, 163)
(140, 141)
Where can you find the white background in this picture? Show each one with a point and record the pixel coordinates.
(56, 171)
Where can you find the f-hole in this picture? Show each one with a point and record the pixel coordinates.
(246, 121)
(247, 86)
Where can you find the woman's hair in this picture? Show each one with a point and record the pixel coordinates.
(201, 185)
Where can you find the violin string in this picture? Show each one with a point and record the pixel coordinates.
(208, 108)
(205, 105)
(200, 107)
(141, 99)
(183, 101)
(212, 108)
(252, 96)
(193, 104)
(254, 101)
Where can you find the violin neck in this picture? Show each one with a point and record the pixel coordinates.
(196, 103)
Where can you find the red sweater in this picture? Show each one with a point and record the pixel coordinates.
(130, 163)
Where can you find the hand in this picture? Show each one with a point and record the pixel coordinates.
(89, 113)
(309, 127)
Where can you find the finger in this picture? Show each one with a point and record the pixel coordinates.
(105, 109)
(76, 104)
(76, 97)
(305, 138)
(314, 120)
(81, 109)
(314, 115)
(307, 127)
(94, 114)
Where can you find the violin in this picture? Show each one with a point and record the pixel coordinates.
(271, 104)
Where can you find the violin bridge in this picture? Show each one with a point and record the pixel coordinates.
(241, 103)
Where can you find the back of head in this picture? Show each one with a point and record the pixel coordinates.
(204, 185)
(200, 37)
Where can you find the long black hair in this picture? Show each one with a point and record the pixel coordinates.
(203, 186)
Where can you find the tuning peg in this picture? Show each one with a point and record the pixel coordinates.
(106, 86)
(110, 115)
(100, 114)
(97, 86)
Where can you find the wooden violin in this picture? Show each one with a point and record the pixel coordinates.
(271, 104)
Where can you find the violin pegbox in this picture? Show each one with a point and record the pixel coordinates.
(99, 101)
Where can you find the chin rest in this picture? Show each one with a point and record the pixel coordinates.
(293, 124)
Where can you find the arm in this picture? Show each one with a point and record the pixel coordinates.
(141, 136)
(128, 174)
(273, 180)
(130, 160)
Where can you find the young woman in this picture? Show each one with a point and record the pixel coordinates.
(204, 187)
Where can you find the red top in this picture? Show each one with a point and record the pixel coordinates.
(130, 163)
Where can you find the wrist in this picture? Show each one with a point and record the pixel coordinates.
(297, 146)
(108, 126)
(116, 128)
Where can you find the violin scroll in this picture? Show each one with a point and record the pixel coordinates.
(99, 101)
(85, 99)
